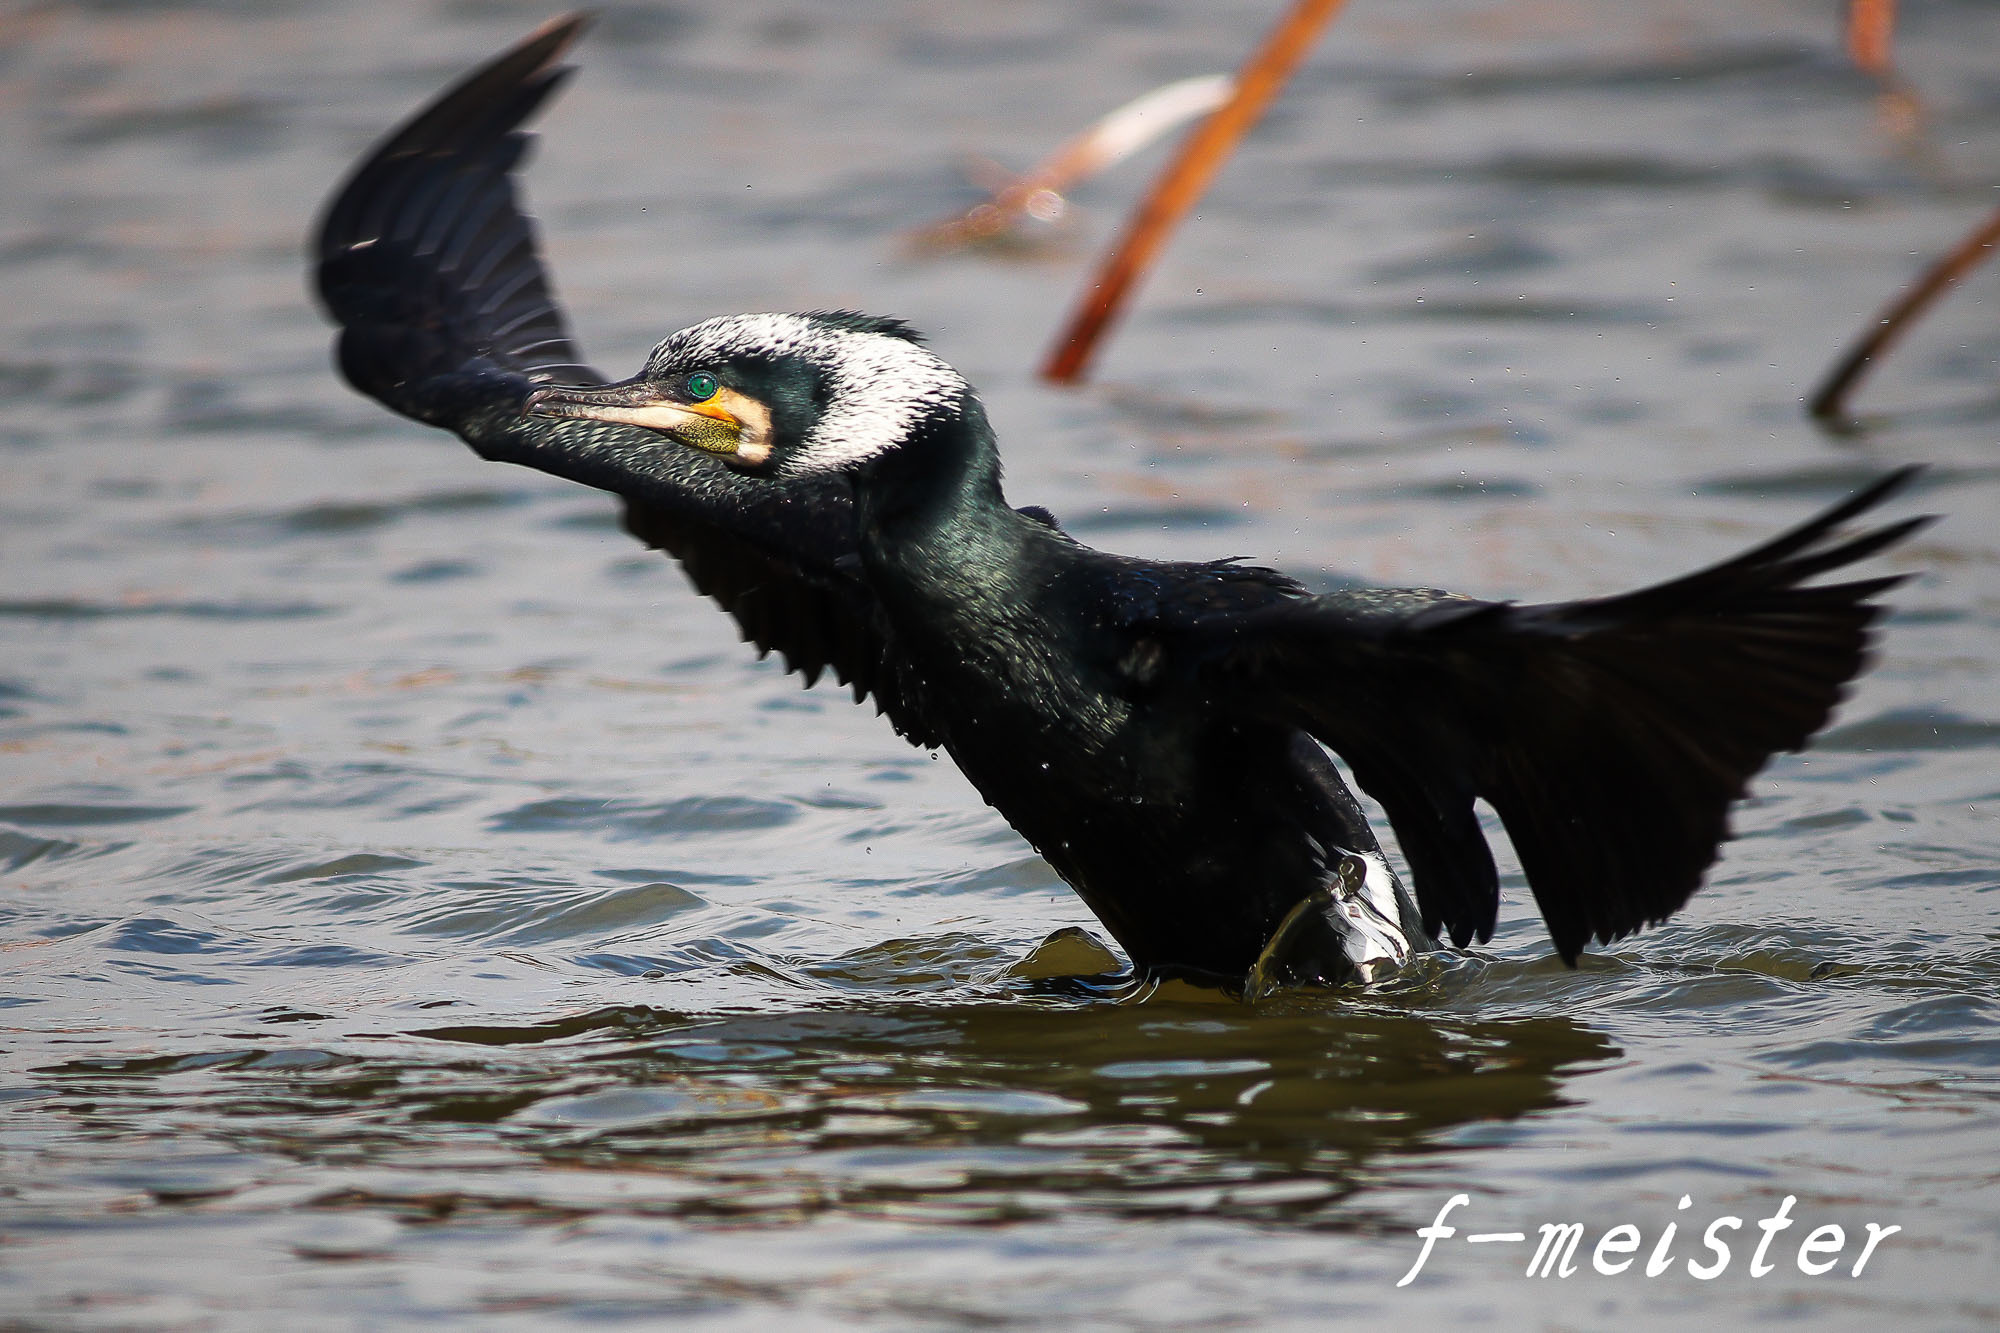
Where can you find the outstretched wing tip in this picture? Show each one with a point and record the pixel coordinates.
(425, 259)
(1814, 640)
(562, 30)
(492, 102)
(1612, 736)
(428, 263)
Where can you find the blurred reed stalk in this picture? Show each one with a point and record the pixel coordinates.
(1182, 182)
(1871, 33)
(1037, 192)
(1829, 403)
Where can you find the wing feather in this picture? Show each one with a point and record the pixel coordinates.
(1610, 735)
(431, 267)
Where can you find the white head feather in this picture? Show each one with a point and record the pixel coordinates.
(879, 386)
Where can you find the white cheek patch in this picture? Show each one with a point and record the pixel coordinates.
(883, 388)
(880, 388)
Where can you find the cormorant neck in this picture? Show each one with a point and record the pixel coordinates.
(946, 478)
(940, 543)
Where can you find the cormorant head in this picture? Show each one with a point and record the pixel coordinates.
(780, 394)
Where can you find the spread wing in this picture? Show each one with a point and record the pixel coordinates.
(1611, 735)
(431, 268)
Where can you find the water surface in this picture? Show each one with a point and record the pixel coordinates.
(416, 906)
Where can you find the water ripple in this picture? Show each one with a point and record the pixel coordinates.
(628, 820)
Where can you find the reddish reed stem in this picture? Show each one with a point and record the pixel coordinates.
(1830, 402)
(1871, 30)
(1182, 182)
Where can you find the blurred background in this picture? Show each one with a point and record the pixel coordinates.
(415, 904)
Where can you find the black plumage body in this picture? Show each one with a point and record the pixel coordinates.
(1154, 729)
(1059, 679)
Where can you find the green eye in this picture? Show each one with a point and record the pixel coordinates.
(701, 388)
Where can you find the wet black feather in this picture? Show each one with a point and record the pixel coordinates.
(1610, 735)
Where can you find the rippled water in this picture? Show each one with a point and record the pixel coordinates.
(416, 906)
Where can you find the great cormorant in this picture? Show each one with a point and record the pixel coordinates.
(1153, 729)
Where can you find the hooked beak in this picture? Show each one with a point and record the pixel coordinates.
(730, 424)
